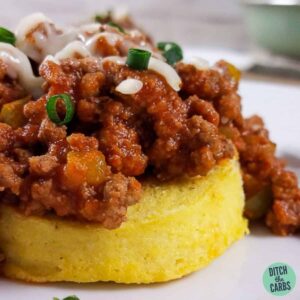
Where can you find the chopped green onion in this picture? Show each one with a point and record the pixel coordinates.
(71, 298)
(68, 298)
(117, 26)
(7, 36)
(100, 18)
(104, 17)
(171, 51)
(52, 112)
(138, 59)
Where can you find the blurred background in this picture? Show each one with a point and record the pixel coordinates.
(260, 36)
(190, 22)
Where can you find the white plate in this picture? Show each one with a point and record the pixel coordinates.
(238, 273)
(242, 60)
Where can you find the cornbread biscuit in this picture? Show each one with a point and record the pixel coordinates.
(177, 228)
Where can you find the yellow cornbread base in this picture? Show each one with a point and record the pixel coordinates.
(176, 228)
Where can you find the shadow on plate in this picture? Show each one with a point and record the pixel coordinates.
(292, 159)
(259, 229)
(96, 286)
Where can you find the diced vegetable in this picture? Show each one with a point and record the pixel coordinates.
(103, 17)
(85, 166)
(71, 298)
(138, 59)
(258, 205)
(12, 112)
(129, 86)
(52, 112)
(167, 71)
(171, 51)
(113, 24)
(7, 36)
(68, 298)
(234, 72)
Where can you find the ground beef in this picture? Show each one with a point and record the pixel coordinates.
(50, 133)
(91, 84)
(6, 137)
(90, 170)
(79, 142)
(43, 165)
(87, 170)
(9, 175)
(261, 169)
(88, 110)
(207, 84)
(182, 135)
(119, 140)
(46, 188)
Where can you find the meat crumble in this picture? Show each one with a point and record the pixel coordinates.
(261, 169)
(92, 168)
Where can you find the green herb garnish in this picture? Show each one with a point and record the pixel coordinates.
(71, 298)
(52, 110)
(103, 17)
(67, 298)
(171, 51)
(138, 59)
(7, 36)
(116, 25)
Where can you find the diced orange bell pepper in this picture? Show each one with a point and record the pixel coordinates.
(234, 72)
(12, 112)
(84, 167)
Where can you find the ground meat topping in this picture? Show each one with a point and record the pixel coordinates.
(86, 171)
(179, 133)
(9, 175)
(43, 165)
(262, 170)
(91, 169)
(120, 142)
(6, 137)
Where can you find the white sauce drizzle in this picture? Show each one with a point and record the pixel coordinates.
(48, 41)
(51, 58)
(166, 71)
(116, 59)
(30, 22)
(119, 13)
(55, 44)
(111, 38)
(129, 86)
(198, 62)
(86, 30)
(18, 67)
(72, 49)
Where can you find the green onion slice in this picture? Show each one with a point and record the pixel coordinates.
(7, 36)
(52, 112)
(171, 51)
(113, 24)
(103, 17)
(100, 18)
(71, 298)
(68, 298)
(138, 59)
